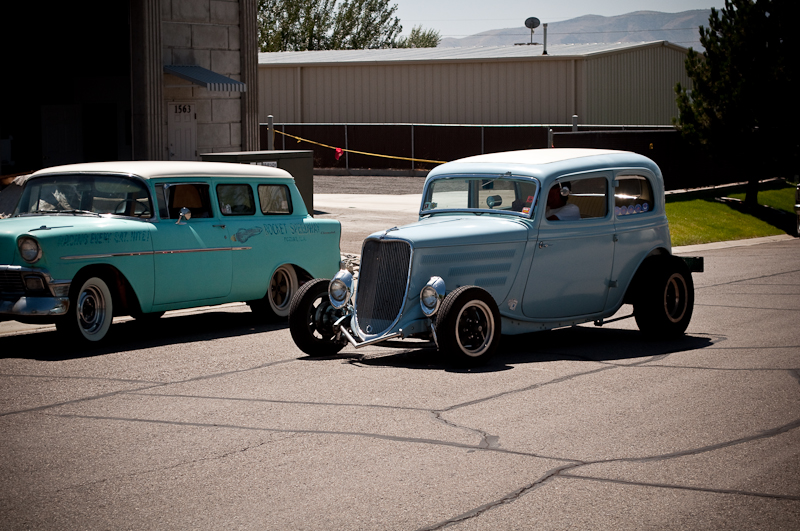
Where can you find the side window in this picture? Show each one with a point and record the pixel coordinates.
(236, 199)
(578, 199)
(274, 199)
(634, 195)
(172, 197)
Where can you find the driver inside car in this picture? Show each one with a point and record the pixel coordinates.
(557, 207)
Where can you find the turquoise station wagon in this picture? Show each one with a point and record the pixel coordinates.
(509, 243)
(91, 241)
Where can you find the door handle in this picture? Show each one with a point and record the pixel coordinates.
(219, 226)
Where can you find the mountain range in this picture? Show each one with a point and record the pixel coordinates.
(639, 26)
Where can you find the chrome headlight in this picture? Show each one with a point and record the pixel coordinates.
(431, 296)
(29, 249)
(340, 288)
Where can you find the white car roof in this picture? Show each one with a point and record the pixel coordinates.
(538, 156)
(149, 169)
(546, 164)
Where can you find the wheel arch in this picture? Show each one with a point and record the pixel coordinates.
(124, 298)
(303, 275)
(634, 287)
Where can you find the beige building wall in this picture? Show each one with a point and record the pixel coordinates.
(207, 33)
(634, 88)
(631, 87)
(451, 93)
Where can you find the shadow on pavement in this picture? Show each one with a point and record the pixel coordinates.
(136, 335)
(578, 343)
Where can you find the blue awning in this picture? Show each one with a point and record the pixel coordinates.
(206, 78)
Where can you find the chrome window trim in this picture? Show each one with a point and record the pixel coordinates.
(143, 181)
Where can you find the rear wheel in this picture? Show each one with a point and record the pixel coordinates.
(311, 319)
(91, 310)
(282, 287)
(468, 325)
(664, 305)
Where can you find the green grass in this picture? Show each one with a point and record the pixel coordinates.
(695, 217)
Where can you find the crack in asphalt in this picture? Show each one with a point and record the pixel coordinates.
(139, 389)
(487, 442)
(379, 436)
(767, 308)
(560, 472)
(685, 487)
(739, 281)
(161, 469)
(490, 443)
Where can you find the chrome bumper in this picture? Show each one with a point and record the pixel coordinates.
(340, 327)
(34, 306)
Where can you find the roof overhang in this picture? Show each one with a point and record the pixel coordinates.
(205, 78)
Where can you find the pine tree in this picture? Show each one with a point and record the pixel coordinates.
(743, 104)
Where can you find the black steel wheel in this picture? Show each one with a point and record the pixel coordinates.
(468, 325)
(665, 302)
(311, 318)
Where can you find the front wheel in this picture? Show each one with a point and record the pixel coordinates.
(91, 310)
(311, 318)
(664, 306)
(468, 325)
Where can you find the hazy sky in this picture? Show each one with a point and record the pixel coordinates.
(459, 18)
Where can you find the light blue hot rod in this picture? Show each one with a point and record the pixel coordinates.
(91, 241)
(510, 242)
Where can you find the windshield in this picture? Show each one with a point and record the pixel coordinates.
(494, 194)
(85, 194)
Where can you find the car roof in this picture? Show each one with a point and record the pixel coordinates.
(546, 163)
(150, 169)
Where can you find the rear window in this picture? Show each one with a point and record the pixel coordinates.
(634, 195)
(275, 199)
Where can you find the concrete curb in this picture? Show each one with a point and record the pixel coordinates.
(729, 244)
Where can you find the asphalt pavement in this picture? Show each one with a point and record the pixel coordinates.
(211, 419)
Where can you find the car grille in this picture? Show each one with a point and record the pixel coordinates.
(11, 282)
(382, 281)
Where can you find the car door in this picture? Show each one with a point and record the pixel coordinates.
(252, 255)
(571, 269)
(192, 257)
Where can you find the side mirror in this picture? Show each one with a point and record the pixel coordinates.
(186, 214)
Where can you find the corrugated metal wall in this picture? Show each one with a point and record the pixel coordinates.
(629, 87)
(507, 92)
(636, 87)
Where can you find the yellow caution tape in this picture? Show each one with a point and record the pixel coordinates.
(359, 152)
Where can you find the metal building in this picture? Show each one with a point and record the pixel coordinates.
(608, 84)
